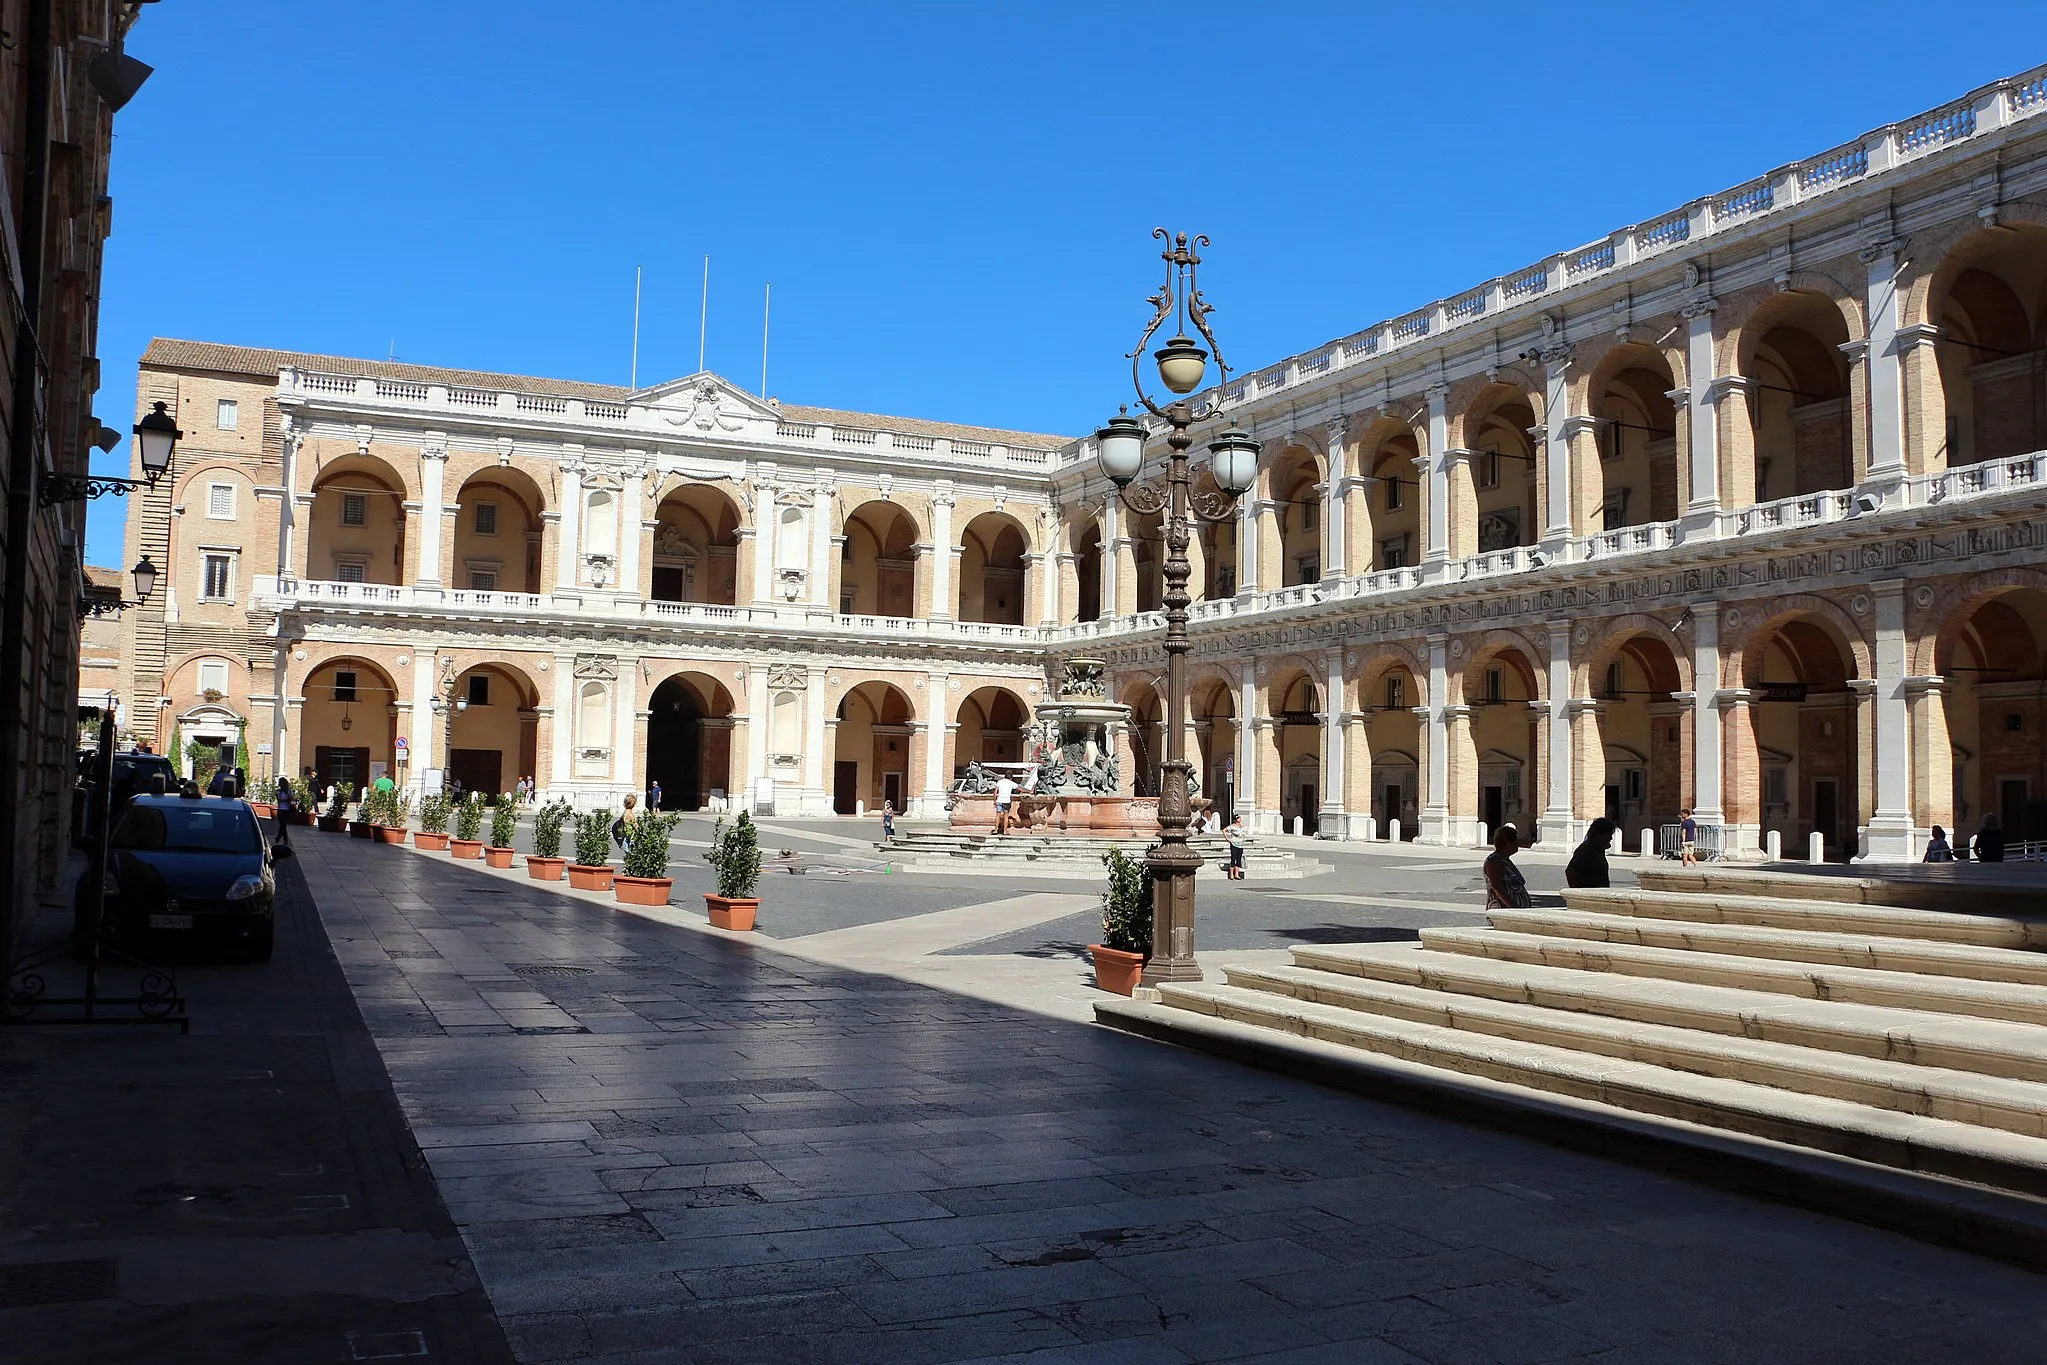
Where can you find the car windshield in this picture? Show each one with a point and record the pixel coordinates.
(200, 827)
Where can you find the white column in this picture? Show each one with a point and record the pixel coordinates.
(1435, 812)
(1700, 366)
(1556, 449)
(1248, 735)
(760, 716)
(943, 593)
(765, 533)
(822, 545)
(624, 717)
(1055, 567)
(566, 555)
(287, 515)
(1112, 542)
(1436, 554)
(632, 513)
(1558, 818)
(433, 470)
(1887, 838)
(426, 720)
(1248, 508)
(1885, 369)
(1335, 533)
(1706, 759)
(818, 749)
(563, 739)
(280, 670)
(1333, 712)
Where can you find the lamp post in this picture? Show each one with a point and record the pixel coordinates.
(156, 438)
(100, 602)
(1233, 460)
(450, 705)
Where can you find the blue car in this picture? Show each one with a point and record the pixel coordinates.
(189, 868)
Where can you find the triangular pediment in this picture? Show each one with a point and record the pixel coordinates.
(707, 403)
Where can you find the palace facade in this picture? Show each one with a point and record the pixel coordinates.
(1741, 508)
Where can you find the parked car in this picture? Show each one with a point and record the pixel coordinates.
(189, 868)
(132, 774)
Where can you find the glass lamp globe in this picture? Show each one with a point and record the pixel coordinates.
(156, 436)
(1119, 448)
(145, 578)
(1181, 364)
(1233, 459)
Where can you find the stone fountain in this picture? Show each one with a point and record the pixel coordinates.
(1069, 784)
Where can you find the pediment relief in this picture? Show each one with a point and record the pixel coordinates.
(705, 403)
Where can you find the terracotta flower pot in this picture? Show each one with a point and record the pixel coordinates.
(1115, 970)
(300, 817)
(264, 809)
(641, 890)
(545, 869)
(432, 843)
(332, 824)
(586, 877)
(361, 829)
(497, 857)
(731, 912)
(390, 834)
(471, 849)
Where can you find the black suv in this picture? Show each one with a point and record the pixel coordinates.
(132, 776)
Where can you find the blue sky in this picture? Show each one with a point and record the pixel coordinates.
(952, 200)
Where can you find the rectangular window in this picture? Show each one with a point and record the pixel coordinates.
(218, 584)
(344, 684)
(1393, 497)
(1393, 552)
(1309, 567)
(1614, 679)
(479, 689)
(355, 509)
(1396, 693)
(1511, 789)
(486, 518)
(1492, 684)
(351, 570)
(1774, 785)
(1631, 787)
(1311, 515)
(1488, 469)
(213, 676)
(1613, 510)
(483, 580)
(220, 501)
(1225, 581)
(227, 414)
(1610, 441)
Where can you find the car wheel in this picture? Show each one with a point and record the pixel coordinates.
(262, 940)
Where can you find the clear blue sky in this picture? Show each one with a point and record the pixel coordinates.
(952, 200)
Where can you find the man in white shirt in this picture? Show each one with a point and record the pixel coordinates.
(1005, 793)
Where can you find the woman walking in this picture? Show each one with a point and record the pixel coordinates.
(1504, 888)
(1938, 850)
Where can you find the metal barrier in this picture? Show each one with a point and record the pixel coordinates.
(1711, 842)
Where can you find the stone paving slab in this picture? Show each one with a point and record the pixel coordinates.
(796, 1161)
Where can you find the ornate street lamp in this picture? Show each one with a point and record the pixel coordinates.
(99, 602)
(156, 439)
(1233, 461)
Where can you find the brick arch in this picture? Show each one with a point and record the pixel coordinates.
(852, 501)
(187, 479)
(690, 671)
(1924, 289)
(1383, 660)
(1471, 401)
(1613, 638)
(299, 675)
(1754, 316)
(1494, 644)
(315, 467)
(1285, 666)
(1934, 628)
(1610, 355)
(1274, 459)
(1367, 444)
(1744, 656)
(232, 653)
(513, 669)
(1198, 686)
(982, 510)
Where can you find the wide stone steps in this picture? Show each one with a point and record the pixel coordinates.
(1073, 855)
(1851, 950)
(1858, 985)
(1989, 931)
(1917, 1142)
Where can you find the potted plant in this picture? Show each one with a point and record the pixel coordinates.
(263, 797)
(504, 823)
(362, 827)
(593, 845)
(1126, 924)
(644, 879)
(333, 820)
(302, 811)
(392, 816)
(433, 823)
(468, 827)
(735, 855)
(545, 863)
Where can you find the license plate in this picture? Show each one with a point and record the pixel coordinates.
(170, 921)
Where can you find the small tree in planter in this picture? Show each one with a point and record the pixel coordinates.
(504, 823)
(1126, 924)
(735, 856)
(644, 879)
(469, 827)
(263, 796)
(334, 818)
(364, 825)
(393, 813)
(545, 863)
(593, 845)
(433, 823)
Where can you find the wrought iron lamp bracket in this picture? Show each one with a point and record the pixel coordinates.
(53, 489)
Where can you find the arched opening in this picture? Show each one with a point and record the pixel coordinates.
(696, 547)
(991, 584)
(493, 729)
(1503, 478)
(1993, 369)
(355, 532)
(1212, 707)
(1086, 539)
(1297, 518)
(1394, 498)
(1219, 556)
(1997, 713)
(348, 723)
(1494, 778)
(1635, 477)
(1146, 738)
(993, 722)
(1393, 732)
(1803, 750)
(1804, 430)
(1296, 789)
(1147, 535)
(497, 541)
(878, 562)
(689, 741)
(871, 749)
(1641, 734)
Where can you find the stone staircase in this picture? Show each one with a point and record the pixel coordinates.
(1852, 1018)
(1061, 855)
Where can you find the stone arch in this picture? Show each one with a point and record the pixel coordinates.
(689, 739)
(1742, 656)
(994, 550)
(1936, 626)
(694, 555)
(1960, 247)
(356, 523)
(993, 726)
(1987, 300)
(1613, 637)
(1393, 526)
(1494, 752)
(1081, 583)
(491, 735)
(1756, 310)
(347, 734)
(1290, 539)
(883, 567)
(1491, 645)
(874, 735)
(498, 538)
(1795, 760)
(1497, 498)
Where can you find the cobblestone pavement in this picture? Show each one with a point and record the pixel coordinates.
(666, 1144)
(249, 1193)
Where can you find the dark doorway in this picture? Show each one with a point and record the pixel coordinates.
(892, 790)
(1493, 809)
(675, 745)
(344, 767)
(2011, 806)
(1389, 809)
(1826, 809)
(845, 786)
(478, 770)
(1310, 810)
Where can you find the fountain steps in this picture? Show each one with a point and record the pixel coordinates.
(1074, 855)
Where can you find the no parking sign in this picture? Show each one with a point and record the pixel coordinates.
(402, 753)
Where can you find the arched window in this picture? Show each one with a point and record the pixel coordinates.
(593, 716)
(600, 525)
(786, 734)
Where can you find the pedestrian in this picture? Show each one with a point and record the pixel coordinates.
(1990, 840)
(222, 782)
(888, 822)
(622, 828)
(385, 784)
(1005, 793)
(1688, 838)
(1937, 849)
(1238, 837)
(1504, 888)
(287, 802)
(1587, 867)
(654, 794)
